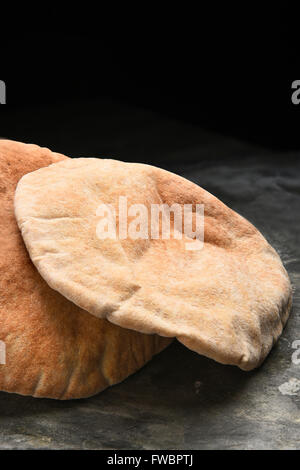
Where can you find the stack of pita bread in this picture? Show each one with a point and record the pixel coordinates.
(79, 313)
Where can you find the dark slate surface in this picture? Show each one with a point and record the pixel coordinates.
(180, 400)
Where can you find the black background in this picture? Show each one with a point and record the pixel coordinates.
(226, 68)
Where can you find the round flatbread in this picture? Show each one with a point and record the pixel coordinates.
(227, 300)
(52, 348)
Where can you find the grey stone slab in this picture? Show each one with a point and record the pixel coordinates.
(182, 400)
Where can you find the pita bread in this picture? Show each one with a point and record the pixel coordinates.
(228, 301)
(53, 348)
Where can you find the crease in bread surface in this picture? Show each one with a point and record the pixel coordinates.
(228, 301)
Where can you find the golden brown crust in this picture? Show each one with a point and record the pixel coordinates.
(53, 348)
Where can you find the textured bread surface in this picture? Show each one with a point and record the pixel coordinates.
(53, 348)
(228, 301)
